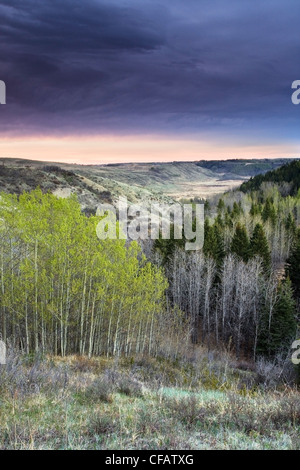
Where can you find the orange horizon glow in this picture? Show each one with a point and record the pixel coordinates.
(134, 149)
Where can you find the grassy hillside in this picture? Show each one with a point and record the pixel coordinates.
(80, 403)
(137, 181)
(64, 180)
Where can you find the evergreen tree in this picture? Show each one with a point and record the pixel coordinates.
(167, 246)
(236, 210)
(209, 239)
(219, 254)
(254, 209)
(213, 242)
(228, 219)
(207, 207)
(240, 243)
(220, 221)
(278, 334)
(269, 212)
(293, 266)
(221, 205)
(290, 224)
(259, 246)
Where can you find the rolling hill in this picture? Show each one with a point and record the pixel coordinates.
(137, 181)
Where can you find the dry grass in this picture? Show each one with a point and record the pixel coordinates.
(100, 403)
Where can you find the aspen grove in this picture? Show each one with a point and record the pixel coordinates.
(65, 291)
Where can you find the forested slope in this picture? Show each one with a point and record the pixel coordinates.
(242, 290)
(286, 174)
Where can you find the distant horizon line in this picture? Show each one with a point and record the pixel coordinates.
(25, 159)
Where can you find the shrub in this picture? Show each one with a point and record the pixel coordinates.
(84, 364)
(129, 386)
(185, 410)
(24, 375)
(100, 389)
(101, 424)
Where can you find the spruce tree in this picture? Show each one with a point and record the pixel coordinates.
(259, 246)
(290, 224)
(267, 211)
(228, 220)
(219, 248)
(280, 332)
(167, 246)
(240, 243)
(255, 209)
(284, 324)
(209, 239)
(236, 210)
(293, 265)
(207, 207)
(220, 221)
(221, 205)
(213, 242)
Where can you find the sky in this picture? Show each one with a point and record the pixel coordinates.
(98, 81)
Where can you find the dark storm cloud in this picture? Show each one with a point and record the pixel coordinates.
(136, 66)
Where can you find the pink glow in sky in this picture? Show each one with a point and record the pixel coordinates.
(98, 150)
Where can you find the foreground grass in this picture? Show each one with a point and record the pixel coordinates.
(78, 403)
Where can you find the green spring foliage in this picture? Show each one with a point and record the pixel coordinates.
(65, 291)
